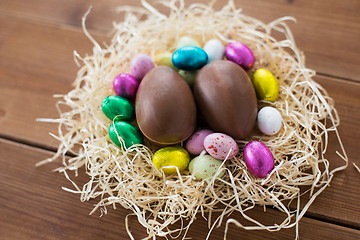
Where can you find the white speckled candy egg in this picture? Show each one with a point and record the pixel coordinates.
(269, 120)
(219, 145)
(195, 144)
(214, 49)
(205, 166)
(140, 65)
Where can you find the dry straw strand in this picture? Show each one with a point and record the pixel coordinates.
(127, 176)
(356, 167)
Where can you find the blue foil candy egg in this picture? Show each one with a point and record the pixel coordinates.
(189, 58)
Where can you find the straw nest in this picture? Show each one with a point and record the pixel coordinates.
(127, 176)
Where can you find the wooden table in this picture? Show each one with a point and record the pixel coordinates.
(37, 39)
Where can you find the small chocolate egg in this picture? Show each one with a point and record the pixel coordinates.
(226, 98)
(239, 53)
(119, 107)
(189, 58)
(258, 159)
(168, 158)
(140, 65)
(127, 132)
(205, 166)
(165, 107)
(195, 144)
(269, 120)
(125, 85)
(265, 84)
(220, 145)
(187, 41)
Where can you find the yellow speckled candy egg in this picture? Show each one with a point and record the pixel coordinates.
(168, 158)
(265, 84)
(164, 58)
(187, 41)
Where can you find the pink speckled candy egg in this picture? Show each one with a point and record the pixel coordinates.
(219, 145)
(258, 159)
(195, 144)
(125, 85)
(140, 65)
(239, 53)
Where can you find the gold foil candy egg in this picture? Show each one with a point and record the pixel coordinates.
(266, 85)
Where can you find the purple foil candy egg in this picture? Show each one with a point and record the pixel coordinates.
(239, 53)
(195, 144)
(140, 65)
(258, 159)
(125, 85)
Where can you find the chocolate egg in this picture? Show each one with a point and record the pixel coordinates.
(226, 98)
(165, 107)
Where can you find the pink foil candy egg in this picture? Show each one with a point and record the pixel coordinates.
(239, 53)
(220, 145)
(258, 159)
(125, 85)
(195, 144)
(140, 65)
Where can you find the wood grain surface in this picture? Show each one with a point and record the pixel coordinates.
(37, 39)
(35, 207)
(326, 30)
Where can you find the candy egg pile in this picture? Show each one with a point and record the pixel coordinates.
(170, 91)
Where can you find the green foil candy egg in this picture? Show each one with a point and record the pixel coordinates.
(266, 85)
(130, 134)
(116, 106)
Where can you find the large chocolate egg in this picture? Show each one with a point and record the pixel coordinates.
(165, 107)
(226, 98)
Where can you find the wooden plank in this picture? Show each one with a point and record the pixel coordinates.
(328, 31)
(65, 12)
(340, 202)
(33, 206)
(35, 63)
